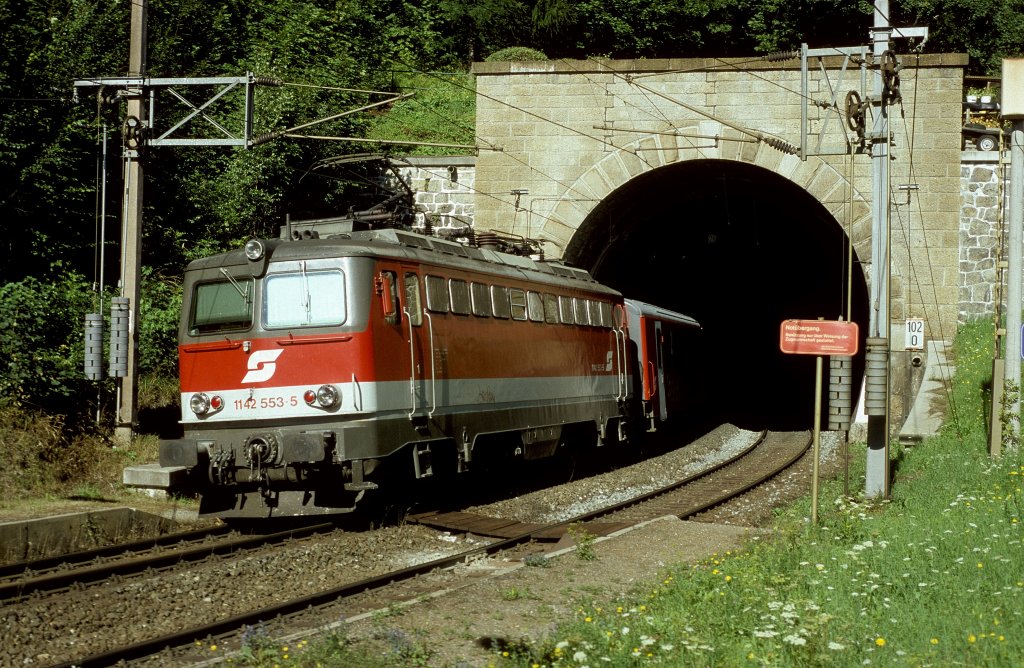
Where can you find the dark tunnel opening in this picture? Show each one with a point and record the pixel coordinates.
(740, 249)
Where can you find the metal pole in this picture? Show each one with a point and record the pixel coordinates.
(817, 439)
(131, 251)
(877, 478)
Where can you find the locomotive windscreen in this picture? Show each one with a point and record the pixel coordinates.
(305, 299)
(221, 306)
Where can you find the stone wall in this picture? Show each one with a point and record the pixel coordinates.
(980, 228)
(570, 133)
(444, 188)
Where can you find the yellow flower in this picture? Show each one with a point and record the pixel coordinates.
(880, 642)
(728, 578)
(971, 638)
(935, 641)
(588, 619)
(213, 648)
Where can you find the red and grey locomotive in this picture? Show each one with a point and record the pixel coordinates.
(321, 366)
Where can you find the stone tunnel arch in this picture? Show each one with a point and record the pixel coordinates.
(740, 246)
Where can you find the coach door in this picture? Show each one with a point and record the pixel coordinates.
(620, 358)
(659, 376)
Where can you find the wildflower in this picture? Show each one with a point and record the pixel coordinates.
(213, 648)
(795, 639)
(880, 642)
(588, 619)
(935, 641)
(579, 657)
(971, 639)
(836, 646)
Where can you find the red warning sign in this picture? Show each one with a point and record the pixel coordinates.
(818, 337)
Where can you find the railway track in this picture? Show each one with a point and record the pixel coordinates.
(54, 574)
(769, 456)
(759, 461)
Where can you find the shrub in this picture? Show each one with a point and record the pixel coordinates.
(516, 53)
(42, 342)
(44, 456)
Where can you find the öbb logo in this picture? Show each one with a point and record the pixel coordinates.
(262, 365)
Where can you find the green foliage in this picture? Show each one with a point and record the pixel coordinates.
(46, 455)
(199, 201)
(42, 343)
(584, 543)
(1010, 420)
(987, 30)
(440, 112)
(516, 53)
(159, 312)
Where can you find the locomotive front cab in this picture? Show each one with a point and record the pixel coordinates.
(276, 380)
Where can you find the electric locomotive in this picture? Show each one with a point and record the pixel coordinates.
(334, 361)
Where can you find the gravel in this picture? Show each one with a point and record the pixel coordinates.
(98, 618)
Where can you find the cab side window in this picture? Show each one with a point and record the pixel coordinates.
(412, 298)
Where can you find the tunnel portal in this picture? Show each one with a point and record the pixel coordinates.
(740, 249)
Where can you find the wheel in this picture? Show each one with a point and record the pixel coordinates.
(986, 143)
(854, 113)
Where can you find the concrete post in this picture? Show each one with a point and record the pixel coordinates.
(877, 474)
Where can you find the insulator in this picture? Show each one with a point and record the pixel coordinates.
(267, 81)
(94, 346)
(119, 317)
(487, 240)
(781, 55)
(876, 376)
(780, 144)
(840, 393)
(263, 139)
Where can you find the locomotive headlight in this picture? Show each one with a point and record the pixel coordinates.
(326, 396)
(203, 404)
(254, 249)
(199, 403)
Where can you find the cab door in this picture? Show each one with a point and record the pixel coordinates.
(418, 326)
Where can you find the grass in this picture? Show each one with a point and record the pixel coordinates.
(933, 576)
(50, 461)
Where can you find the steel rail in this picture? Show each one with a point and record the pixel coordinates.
(231, 626)
(12, 591)
(34, 566)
